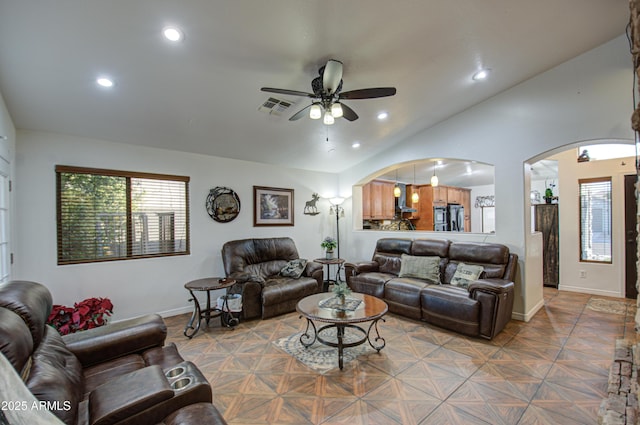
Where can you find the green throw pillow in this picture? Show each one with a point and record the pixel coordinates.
(294, 268)
(427, 268)
(465, 274)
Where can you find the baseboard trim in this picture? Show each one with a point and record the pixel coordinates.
(600, 292)
(176, 311)
(525, 317)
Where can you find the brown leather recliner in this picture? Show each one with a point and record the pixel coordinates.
(115, 374)
(256, 264)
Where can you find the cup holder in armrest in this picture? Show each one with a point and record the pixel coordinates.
(175, 372)
(182, 383)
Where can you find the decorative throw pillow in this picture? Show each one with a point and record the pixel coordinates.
(427, 268)
(465, 274)
(294, 268)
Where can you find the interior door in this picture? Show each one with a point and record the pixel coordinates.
(631, 236)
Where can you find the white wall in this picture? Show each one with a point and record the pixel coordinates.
(602, 279)
(588, 97)
(150, 285)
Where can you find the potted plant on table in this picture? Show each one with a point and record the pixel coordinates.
(341, 289)
(329, 244)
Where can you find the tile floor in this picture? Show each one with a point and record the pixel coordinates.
(552, 370)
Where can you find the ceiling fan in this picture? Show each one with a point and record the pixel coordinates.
(327, 96)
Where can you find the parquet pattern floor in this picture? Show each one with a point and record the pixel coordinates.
(551, 370)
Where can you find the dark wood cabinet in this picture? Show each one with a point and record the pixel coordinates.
(547, 224)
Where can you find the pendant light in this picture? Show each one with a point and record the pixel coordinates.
(434, 178)
(414, 196)
(396, 190)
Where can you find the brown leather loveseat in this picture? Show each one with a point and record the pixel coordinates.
(466, 287)
(257, 266)
(120, 373)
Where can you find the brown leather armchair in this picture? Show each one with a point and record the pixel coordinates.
(256, 264)
(116, 374)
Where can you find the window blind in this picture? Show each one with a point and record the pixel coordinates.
(595, 219)
(107, 215)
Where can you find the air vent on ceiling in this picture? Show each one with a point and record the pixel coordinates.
(274, 106)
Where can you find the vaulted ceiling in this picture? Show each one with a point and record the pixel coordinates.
(203, 95)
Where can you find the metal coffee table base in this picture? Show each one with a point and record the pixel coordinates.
(313, 334)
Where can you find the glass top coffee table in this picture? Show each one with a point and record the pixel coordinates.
(360, 308)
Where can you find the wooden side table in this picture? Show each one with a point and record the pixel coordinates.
(328, 262)
(209, 284)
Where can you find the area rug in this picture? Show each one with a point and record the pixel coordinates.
(320, 357)
(607, 306)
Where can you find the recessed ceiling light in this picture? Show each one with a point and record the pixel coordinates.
(355, 145)
(383, 116)
(104, 82)
(481, 75)
(172, 33)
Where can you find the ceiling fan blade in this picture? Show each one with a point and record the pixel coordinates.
(368, 93)
(348, 113)
(331, 76)
(301, 113)
(287, 91)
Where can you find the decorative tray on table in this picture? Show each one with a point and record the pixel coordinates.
(350, 304)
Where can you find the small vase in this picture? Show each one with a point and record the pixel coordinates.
(329, 254)
(342, 298)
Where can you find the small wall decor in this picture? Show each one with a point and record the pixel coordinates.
(485, 201)
(272, 206)
(223, 204)
(310, 207)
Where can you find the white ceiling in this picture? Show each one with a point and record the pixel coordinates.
(203, 94)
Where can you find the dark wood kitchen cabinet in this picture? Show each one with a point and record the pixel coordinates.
(547, 224)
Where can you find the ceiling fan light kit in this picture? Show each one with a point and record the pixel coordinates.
(327, 95)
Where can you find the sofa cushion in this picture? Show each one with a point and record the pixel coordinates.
(493, 257)
(465, 274)
(294, 268)
(280, 289)
(427, 268)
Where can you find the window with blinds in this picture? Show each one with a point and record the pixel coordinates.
(595, 220)
(105, 215)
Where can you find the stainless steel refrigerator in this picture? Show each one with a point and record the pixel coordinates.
(455, 218)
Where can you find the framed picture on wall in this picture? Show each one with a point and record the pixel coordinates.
(272, 206)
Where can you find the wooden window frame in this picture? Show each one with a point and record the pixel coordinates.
(128, 175)
(580, 218)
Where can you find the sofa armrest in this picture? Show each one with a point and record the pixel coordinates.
(494, 286)
(311, 268)
(115, 340)
(361, 267)
(242, 277)
(128, 395)
(496, 298)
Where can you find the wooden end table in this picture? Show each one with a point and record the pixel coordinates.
(209, 284)
(371, 309)
(328, 262)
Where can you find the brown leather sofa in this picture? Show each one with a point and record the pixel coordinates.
(482, 309)
(256, 265)
(120, 373)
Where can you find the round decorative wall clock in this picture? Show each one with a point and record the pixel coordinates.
(223, 204)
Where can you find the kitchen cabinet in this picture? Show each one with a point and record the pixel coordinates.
(466, 203)
(378, 202)
(454, 195)
(440, 195)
